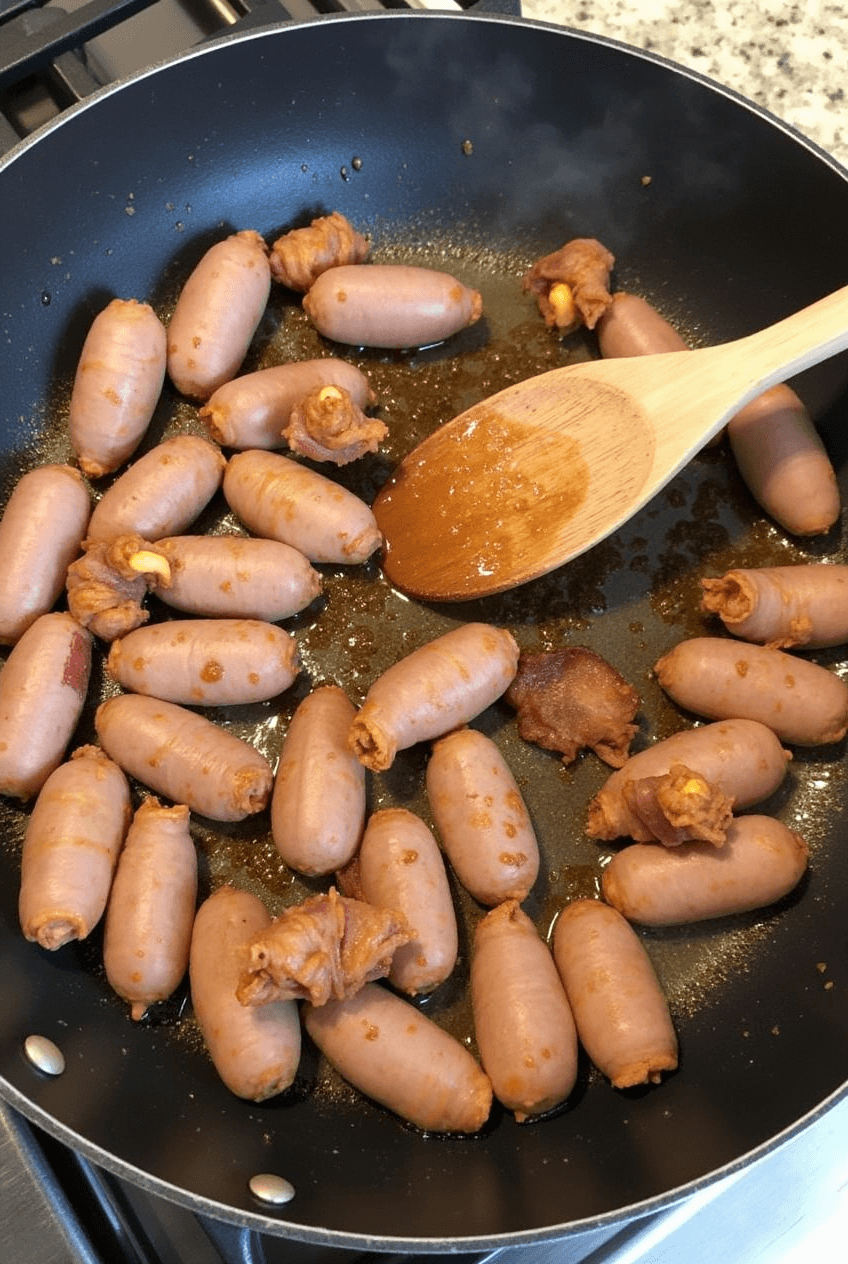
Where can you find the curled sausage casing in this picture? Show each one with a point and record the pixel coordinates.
(741, 758)
(252, 410)
(42, 690)
(782, 606)
(722, 679)
(41, 532)
(71, 847)
(280, 499)
(149, 916)
(318, 804)
(255, 1050)
(389, 1050)
(401, 867)
(621, 1013)
(481, 818)
(445, 683)
(184, 756)
(522, 1020)
(760, 862)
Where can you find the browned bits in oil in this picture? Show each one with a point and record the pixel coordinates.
(467, 147)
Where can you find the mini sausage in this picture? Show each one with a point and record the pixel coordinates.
(782, 606)
(742, 758)
(438, 687)
(217, 313)
(236, 576)
(117, 385)
(71, 847)
(401, 867)
(302, 254)
(206, 662)
(389, 1050)
(618, 1005)
(522, 1020)
(784, 463)
(41, 532)
(630, 326)
(761, 861)
(280, 499)
(318, 804)
(255, 1049)
(389, 305)
(162, 492)
(150, 913)
(42, 690)
(481, 818)
(252, 410)
(184, 756)
(721, 679)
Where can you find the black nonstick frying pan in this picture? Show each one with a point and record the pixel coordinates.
(474, 143)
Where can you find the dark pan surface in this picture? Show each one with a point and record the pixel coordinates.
(740, 223)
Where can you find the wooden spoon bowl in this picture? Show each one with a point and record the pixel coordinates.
(528, 479)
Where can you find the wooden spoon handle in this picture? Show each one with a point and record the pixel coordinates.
(798, 342)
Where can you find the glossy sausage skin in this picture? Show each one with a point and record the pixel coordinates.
(522, 1020)
(761, 861)
(41, 533)
(161, 493)
(436, 688)
(388, 305)
(481, 818)
(117, 385)
(743, 758)
(318, 804)
(784, 463)
(206, 662)
(782, 606)
(280, 499)
(631, 326)
(217, 314)
(42, 690)
(619, 1008)
(255, 1049)
(71, 847)
(237, 577)
(252, 410)
(184, 757)
(401, 868)
(149, 917)
(389, 1050)
(722, 679)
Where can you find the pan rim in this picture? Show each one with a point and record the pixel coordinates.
(274, 1224)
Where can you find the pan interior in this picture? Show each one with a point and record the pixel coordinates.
(473, 145)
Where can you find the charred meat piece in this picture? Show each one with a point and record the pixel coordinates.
(679, 806)
(107, 585)
(299, 257)
(570, 698)
(328, 425)
(572, 284)
(323, 949)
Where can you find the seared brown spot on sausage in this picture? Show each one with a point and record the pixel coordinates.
(211, 671)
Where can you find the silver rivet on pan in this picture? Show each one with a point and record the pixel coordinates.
(44, 1054)
(269, 1188)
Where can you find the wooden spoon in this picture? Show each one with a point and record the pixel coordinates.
(538, 473)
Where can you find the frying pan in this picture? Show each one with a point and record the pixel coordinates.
(476, 143)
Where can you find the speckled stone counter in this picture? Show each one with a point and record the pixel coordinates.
(791, 58)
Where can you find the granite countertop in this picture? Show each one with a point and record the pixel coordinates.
(791, 58)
